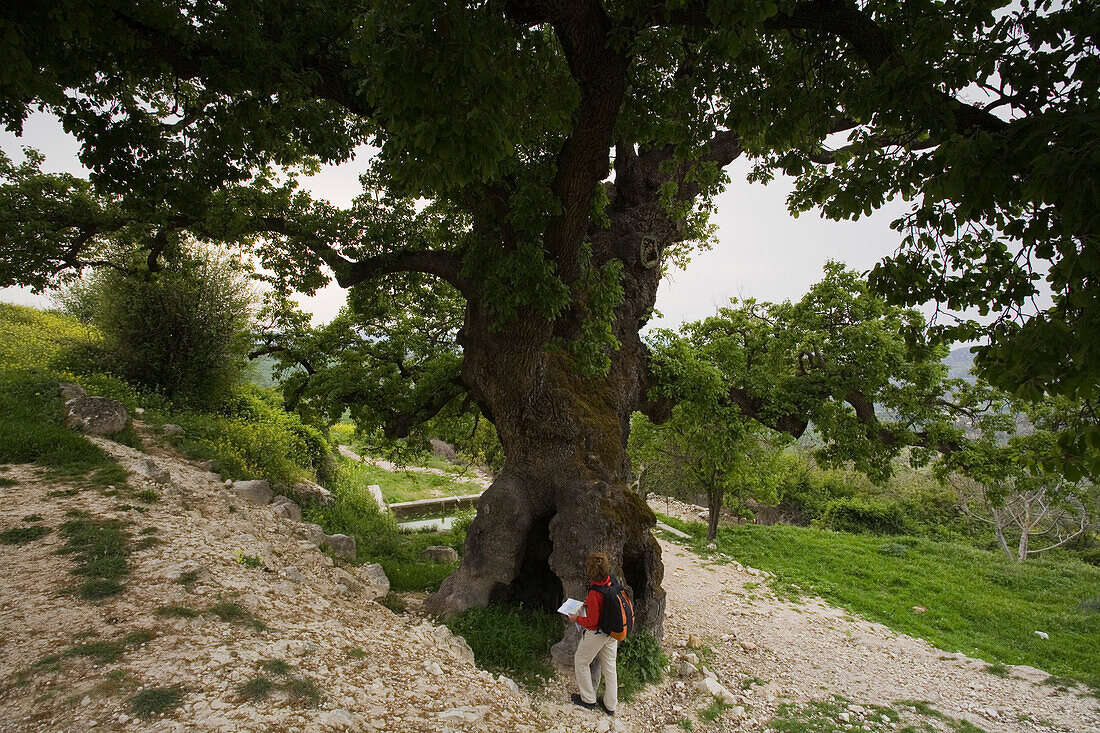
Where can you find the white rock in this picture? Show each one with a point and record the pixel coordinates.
(339, 719)
(844, 717)
(604, 726)
(1042, 634)
(463, 714)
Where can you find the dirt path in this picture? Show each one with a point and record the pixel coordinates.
(380, 671)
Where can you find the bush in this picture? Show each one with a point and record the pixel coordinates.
(180, 331)
(641, 662)
(858, 516)
(510, 640)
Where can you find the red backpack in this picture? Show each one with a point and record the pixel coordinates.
(617, 616)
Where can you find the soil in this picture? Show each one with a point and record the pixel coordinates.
(377, 670)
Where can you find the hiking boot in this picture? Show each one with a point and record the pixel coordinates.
(576, 700)
(599, 701)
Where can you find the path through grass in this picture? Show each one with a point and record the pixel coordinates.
(977, 602)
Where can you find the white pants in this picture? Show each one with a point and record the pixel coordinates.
(602, 649)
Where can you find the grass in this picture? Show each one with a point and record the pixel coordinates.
(300, 691)
(402, 485)
(256, 689)
(6, 483)
(978, 602)
(23, 535)
(303, 692)
(996, 669)
(511, 641)
(156, 701)
(640, 662)
(176, 611)
(378, 538)
(100, 548)
(712, 712)
(277, 667)
(355, 652)
(249, 561)
(235, 613)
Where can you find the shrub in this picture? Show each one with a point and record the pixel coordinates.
(641, 662)
(858, 516)
(179, 331)
(511, 640)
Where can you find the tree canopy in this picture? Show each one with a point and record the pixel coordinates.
(570, 152)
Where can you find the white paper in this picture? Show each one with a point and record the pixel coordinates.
(571, 606)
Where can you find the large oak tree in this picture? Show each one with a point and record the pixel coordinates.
(570, 149)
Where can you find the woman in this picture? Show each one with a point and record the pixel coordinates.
(595, 644)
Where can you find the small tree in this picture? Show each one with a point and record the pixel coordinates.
(180, 331)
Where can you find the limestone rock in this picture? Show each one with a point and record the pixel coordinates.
(693, 642)
(313, 533)
(687, 669)
(312, 493)
(293, 573)
(464, 714)
(339, 719)
(348, 581)
(341, 545)
(169, 430)
(256, 492)
(440, 554)
(714, 688)
(70, 391)
(95, 415)
(155, 473)
(374, 577)
(284, 507)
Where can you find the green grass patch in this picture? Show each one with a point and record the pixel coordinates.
(977, 602)
(149, 496)
(156, 701)
(303, 692)
(100, 549)
(234, 613)
(277, 667)
(6, 483)
(511, 641)
(24, 535)
(404, 485)
(712, 712)
(996, 669)
(640, 662)
(33, 518)
(256, 689)
(377, 536)
(355, 652)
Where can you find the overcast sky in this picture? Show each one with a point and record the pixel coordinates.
(762, 252)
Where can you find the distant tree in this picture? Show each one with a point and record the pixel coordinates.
(181, 331)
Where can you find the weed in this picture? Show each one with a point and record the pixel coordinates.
(6, 482)
(235, 613)
(510, 640)
(33, 518)
(188, 578)
(149, 496)
(156, 701)
(278, 667)
(114, 682)
(996, 669)
(640, 662)
(176, 612)
(395, 602)
(149, 530)
(303, 692)
(23, 535)
(355, 652)
(232, 508)
(687, 724)
(712, 712)
(100, 652)
(750, 681)
(256, 688)
(1062, 684)
(1089, 604)
(146, 542)
(139, 637)
(100, 548)
(249, 561)
(63, 493)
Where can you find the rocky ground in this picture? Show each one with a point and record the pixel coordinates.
(339, 661)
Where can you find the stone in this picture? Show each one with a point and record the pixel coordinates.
(920, 609)
(374, 577)
(691, 657)
(312, 493)
(1042, 634)
(844, 717)
(208, 465)
(604, 726)
(440, 554)
(464, 714)
(70, 391)
(687, 669)
(293, 573)
(748, 646)
(715, 689)
(348, 581)
(169, 430)
(693, 642)
(313, 533)
(339, 719)
(155, 473)
(341, 546)
(509, 683)
(255, 492)
(293, 648)
(376, 493)
(284, 507)
(95, 415)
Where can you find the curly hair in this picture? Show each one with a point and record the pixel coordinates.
(598, 566)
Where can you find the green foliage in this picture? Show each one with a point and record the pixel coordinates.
(977, 602)
(235, 613)
(256, 689)
(712, 712)
(179, 331)
(378, 538)
(303, 692)
(511, 641)
(852, 514)
(156, 701)
(640, 662)
(251, 436)
(176, 611)
(23, 535)
(100, 548)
